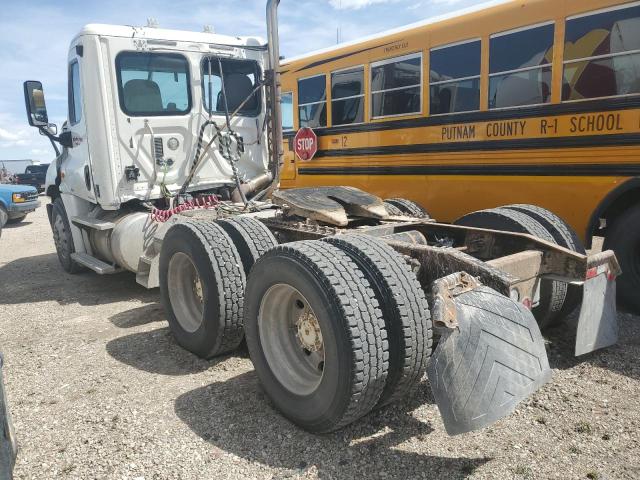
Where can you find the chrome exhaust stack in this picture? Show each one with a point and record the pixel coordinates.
(273, 83)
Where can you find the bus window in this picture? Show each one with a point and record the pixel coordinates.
(312, 101)
(602, 54)
(454, 78)
(347, 96)
(396, 86)
(286, 104)
(520, 67)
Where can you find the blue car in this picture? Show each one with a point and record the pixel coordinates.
(16, 201)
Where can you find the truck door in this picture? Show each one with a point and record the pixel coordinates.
(76, 164)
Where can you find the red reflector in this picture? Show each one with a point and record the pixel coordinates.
(592, 273)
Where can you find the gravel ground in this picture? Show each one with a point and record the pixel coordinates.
(99, 389)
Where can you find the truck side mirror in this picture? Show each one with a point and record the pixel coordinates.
(36, 106)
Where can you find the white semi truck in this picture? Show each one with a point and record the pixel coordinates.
(169, 169)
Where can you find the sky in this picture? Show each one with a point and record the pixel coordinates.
(35, 34)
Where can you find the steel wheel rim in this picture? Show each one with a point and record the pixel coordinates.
(60, 237)
(291, 339)
(185, 292)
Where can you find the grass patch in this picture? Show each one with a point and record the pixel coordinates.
(524, 472)
(584, 427)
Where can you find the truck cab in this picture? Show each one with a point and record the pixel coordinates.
(152, 113)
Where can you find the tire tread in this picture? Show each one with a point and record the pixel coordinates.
(405, 308)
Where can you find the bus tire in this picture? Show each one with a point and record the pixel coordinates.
(318, 290)
(565, 236)
(202, 288)
(552, 292)
(62, 238)
(408, 207)
(404, 307)
(251, 238)
(623, 237)
(392, 210)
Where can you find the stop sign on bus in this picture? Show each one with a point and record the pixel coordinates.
(305, 143)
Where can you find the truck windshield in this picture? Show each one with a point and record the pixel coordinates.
(153, 83)
(240, 79)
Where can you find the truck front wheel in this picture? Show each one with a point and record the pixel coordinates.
(623, 237)
(62, 237)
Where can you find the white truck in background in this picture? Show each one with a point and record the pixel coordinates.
(341, 296)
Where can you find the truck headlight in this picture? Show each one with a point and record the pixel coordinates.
(19, 197)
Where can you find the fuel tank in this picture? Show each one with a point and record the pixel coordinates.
(127, 241)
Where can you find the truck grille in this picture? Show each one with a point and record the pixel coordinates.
(31, 196)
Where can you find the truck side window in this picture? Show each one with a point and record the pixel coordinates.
(240, 79)
(75, 97)
(153, 84)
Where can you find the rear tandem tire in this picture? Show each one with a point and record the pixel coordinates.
(202, 288)
(404, 307)
(251, 237)
(623, 237)
(564, 236)
(392, 210)
(552, 292)
(316, 335)
(408, 207)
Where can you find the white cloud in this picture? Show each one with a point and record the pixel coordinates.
(7, 136)
(355, 4)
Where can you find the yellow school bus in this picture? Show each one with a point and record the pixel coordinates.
(526, 101)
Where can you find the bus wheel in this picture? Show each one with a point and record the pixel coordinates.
(202, 288)
(315, 335)
(251, 237)
(404, 307)
(564, 236)
(552, 292)
(623, 237)
(408, 207)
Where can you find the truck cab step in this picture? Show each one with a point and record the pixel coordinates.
(93, 223)
(94, 264)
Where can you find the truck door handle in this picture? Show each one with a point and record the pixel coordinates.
(87, 177)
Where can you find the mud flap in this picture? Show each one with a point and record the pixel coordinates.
(598, 323)
(491, 361)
